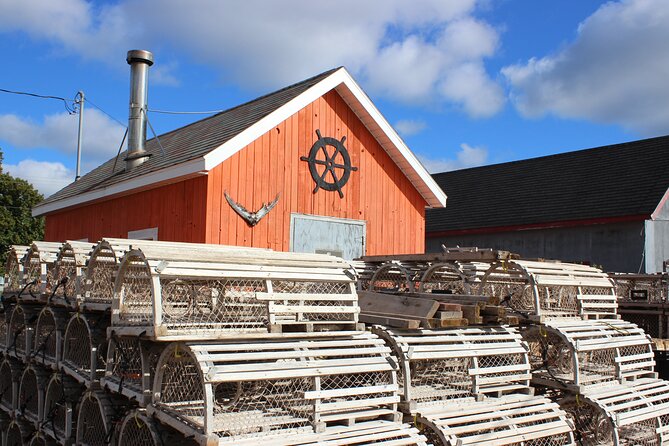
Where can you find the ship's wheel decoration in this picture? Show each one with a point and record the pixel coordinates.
(336, 164)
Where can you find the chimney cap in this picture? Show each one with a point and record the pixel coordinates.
(140, 56)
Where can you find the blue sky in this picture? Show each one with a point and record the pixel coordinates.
(465, 82)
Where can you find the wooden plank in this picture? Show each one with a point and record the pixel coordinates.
(406, 307)
(390, 321)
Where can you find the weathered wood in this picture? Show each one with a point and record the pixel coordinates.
(390, 321)
(371, 302)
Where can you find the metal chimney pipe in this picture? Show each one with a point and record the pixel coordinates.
(139, 61)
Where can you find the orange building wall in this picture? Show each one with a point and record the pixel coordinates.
(377, 192)
(178, 210)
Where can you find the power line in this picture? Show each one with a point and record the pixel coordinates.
(171, 112)
(70, 109)
(88, 99)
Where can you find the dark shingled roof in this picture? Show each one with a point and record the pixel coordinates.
(620, 180)
(189, 142)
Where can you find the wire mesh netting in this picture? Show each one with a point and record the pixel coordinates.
(21, 323)
(9, 375)
(13, 269)
(137, 429)
(550, 357)
(99, 284)
(5, 311)
(439, 380)
(18, 434)
(84, 347)
(444, 278)
(46, 337)
(30, 390)
(124, 366)
(136, 294)
(61, 396)
(212, 304)
(391, 277)
(644, 288)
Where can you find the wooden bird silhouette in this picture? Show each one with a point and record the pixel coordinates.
(252, 218)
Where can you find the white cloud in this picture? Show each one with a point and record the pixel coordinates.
(101, 135)
(414, 52)
(467, 156)
(409, 127)
(614, 72)
(47, 177)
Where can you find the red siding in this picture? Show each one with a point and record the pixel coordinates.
(378, 192)
(178, 210)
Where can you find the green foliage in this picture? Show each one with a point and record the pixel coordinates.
(17, 225)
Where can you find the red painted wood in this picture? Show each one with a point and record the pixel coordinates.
(378, 192)
(167, 207)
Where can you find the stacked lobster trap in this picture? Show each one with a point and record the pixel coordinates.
(147, 343)
(601, 368)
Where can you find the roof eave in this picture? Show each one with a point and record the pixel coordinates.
(172, 174)
(363, 107)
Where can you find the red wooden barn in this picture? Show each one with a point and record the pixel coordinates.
(340, 178)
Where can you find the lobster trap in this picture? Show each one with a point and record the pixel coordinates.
(137, 429)
(10, 376)
(38, 270)
(98, 287)
(21, 330)
(84, 347)
(180, 294)
(274, 388)
(131, 367)
(469, 386)
(577, 354)
(631, 414)
(394, 277)
(460, 364)
(48, 336)
(98, 416)
(40, 439)
(6, 309)
(68, 273)
(30, 400)
(548, 290)
(14, 270)
(60, 401)
(647, 288)
(448, 278)
(18, 433)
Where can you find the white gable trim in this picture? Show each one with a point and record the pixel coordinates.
(157, 178)
(367, 113)
(349, 90)
(658, 210)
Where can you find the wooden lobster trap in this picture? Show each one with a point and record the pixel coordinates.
(577, 354)
(630, 414)
(641, 288)
(10, 376)
(18, 433)
(138, 429)
(547, 290)
(98, 418)
(39, 439)
(60, 400)
(98, 287)
(48, 336)
(22, 320)
(68, 273)
(130, 367)
(274, 388)
(38, 270)
(14, 270)
(471, 386)
(30, 399)
(84, 347)
(395, 277)
(6, 310)
(166, 294)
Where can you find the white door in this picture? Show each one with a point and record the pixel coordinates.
(327, 235)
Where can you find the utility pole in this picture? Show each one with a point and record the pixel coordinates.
(80, 101)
